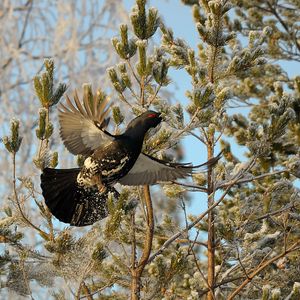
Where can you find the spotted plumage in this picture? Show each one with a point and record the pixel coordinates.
(78, 196)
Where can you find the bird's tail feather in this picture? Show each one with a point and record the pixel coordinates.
(211, 162)
(69, 202)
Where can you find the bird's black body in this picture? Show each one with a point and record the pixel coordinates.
(78, 196)
(115, 160)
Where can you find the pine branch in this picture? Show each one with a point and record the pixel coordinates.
(245, 180)
(201, 216)
(294, 247)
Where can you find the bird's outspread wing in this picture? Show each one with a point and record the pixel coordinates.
(82, 127)
(150, 170)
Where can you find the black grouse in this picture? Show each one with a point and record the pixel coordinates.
(78, 196)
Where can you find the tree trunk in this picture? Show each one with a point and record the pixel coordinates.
(211, 230)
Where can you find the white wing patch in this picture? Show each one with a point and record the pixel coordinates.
(89, 163)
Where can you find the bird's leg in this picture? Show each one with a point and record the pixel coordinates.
(97, 180)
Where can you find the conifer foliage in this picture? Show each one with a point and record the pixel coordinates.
(245, 245)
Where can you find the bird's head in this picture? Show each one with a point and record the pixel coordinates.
(138, 127)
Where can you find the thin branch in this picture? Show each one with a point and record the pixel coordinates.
(201, 273)
(210, 223)
(254, 273)
(276, 212)
(285, 26)
(154, 95)
(118, 260)
(245, 180)
(133, 241)
(225, 281)
(201, 216)
(99, 290)
(83, 287)
(133, 93)
(142, 91)
(77, 297)
(184, 241)
(132, 71)
(240, 262)
(185, 129)
(17, 200)
(196, 136)
(20, 42)
(122, 97)
(197, 187)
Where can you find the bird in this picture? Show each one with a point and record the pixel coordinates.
(78, 196)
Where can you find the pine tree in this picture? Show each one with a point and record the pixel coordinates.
(240, 99)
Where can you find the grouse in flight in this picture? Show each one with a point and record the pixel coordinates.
(78, 196)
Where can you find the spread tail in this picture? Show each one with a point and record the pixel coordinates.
(71, 203)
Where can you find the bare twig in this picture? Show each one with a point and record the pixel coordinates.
(20, 42)
(154, 96)
(284, 25)
(187, 127)
(201, 273)
(196, 187)
(225, 281)
(17, 201)
(132, 71)
(184, 241)
(110, 284)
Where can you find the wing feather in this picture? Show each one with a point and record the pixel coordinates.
(150, 170)
(87, 109)
(77, 124)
